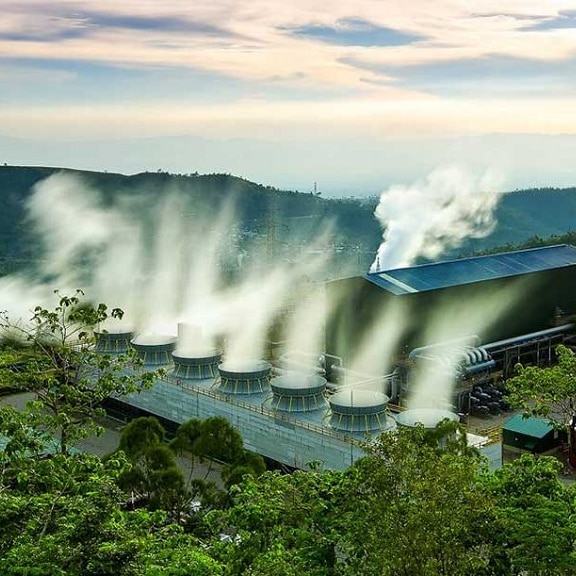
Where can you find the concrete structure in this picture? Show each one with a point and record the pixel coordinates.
(294, 420)
(293, 439)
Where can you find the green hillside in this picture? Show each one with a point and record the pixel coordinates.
(284, 222)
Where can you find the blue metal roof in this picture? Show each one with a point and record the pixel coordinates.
(469, 270)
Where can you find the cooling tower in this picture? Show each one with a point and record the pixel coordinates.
(359, 411)
(154, 349)
(250, 377)
(427, 417)
(298, 392)
(199, 365)
(113, 341)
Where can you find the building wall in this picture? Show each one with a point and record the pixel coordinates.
(287, 440)
(529, 303)
(518, 442)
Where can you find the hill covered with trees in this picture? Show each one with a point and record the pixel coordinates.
(283, 221)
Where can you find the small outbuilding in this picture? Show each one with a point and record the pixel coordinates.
(533, 435)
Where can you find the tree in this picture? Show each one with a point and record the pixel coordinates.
(413, 508)
(154, 476)
(280, 524)
(64, 514)
(215, 439)
(548, 392)
(534, 524)
(60, 366)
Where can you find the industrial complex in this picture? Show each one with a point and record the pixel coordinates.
(462, 323)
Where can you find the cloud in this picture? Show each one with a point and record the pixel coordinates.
(220, 67)
(491, 75)
(300, 42)
(297, 120)
(155, 23)
(356, 32)
(565, 19)
(44, 35)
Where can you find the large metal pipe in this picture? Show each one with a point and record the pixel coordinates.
(472, 369)
(471, 340)
(541, 334)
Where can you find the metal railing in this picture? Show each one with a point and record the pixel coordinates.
(492, 433)
(273, 414)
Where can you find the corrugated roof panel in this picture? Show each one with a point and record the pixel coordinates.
(476, 269)
(533, 427)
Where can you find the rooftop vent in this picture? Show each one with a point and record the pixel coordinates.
(199, 365)
(251, 377)
(154, 349)
(359, 411)
(427, 417)
(113, 341)
(298, 392)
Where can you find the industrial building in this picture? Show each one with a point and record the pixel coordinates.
(536, 286)
(491, 312)
(532, 435)
(324, 411)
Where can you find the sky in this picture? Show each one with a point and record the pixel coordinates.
(353, 96)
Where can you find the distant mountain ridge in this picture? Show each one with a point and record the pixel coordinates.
(281, 215)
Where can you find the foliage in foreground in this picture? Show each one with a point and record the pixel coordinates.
(60, 366)
(547, 392)
(419, 503)
(63, 515)
(415, 505)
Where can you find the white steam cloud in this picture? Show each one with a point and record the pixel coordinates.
(434, 215)
(164, 261)
(433, 383)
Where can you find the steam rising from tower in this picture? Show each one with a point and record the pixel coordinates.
(164, 260)
(434, 215)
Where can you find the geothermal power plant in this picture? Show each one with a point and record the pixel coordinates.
(404, 346)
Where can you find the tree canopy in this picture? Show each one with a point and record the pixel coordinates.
(61, 368)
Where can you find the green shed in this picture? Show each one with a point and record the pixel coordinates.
(535, 435)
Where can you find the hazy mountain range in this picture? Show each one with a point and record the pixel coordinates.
(284, 222)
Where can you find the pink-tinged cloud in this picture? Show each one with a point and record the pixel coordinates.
(303, 41)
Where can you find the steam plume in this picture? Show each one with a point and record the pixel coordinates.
(429, 217)
(159, 258)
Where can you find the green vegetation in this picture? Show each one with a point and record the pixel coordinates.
(285, 222)
(533, 242)
(548, 392)
(68, 378)
(420, 503)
